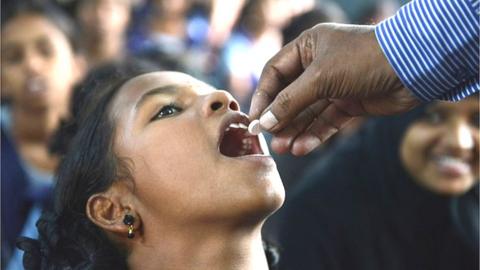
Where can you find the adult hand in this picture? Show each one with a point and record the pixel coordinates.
(317, 83)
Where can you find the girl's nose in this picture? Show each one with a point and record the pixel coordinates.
(32, 63)
(459, 139)
(219, 102)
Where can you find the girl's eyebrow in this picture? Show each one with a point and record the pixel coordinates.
(163, 90)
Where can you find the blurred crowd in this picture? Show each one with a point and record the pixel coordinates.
(225, 43)
(47, 53)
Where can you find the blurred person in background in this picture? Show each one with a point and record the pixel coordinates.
(366, 11)
(177, 31)
(103, 25)
(254, 40)
(164, 27)
(304, 21)
(167, 26)
(40, 66)
(222, 18)
(403, 193)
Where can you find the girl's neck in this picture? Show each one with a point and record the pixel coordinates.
(34, 125)
(104, 49)
(172, 26)
(206, 248)
(32, 130)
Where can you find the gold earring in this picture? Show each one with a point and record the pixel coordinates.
(129, 220)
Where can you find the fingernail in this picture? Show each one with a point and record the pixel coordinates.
(268, 120)
(311, 144)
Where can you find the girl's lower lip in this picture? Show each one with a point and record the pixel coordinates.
(261, 159)
(36, 93)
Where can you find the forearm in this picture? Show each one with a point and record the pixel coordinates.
(433, 47)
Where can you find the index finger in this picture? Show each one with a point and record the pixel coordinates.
(280, 70)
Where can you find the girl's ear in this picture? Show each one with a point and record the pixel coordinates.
(108, 210)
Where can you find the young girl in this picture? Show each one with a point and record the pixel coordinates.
(160, 174)
(39, 68)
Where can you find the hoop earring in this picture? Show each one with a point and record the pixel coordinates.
(129, 220)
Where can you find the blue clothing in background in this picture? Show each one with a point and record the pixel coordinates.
(433, 46)
(25, 191)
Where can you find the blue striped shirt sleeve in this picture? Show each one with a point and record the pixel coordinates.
(433, 46)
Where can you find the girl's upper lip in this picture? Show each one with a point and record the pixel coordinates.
(230, 118)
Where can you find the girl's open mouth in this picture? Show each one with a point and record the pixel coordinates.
(236, 141)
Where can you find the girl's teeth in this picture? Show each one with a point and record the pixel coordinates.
(447, 159)
(35, 85)
(454, 163)
(246, 144)
(240, 125)
(247, 141)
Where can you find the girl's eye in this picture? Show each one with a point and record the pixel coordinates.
(14, 57)
(166, 111)
(434, 118)
(45, 47)
(45, 50)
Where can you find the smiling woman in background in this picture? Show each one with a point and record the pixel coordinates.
(160, 174)
(400, 194)
(39, 69)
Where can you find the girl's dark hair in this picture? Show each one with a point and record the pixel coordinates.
(48, 10)
(303, 22)
(67, 238)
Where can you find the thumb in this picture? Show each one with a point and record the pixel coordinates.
(292, 100)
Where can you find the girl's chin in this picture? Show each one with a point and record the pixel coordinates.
(261, 206)
(272, 200)
(454, 187)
